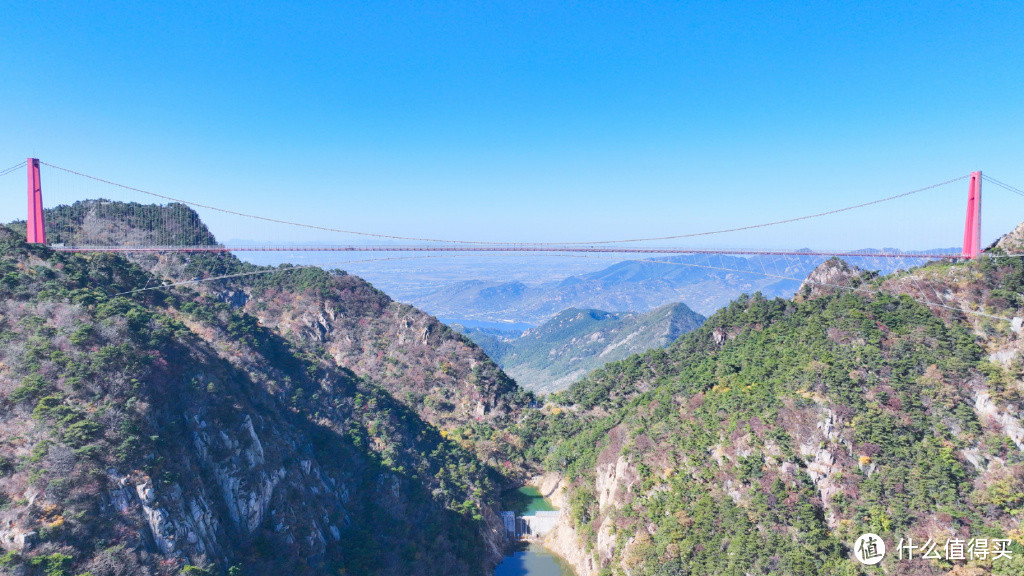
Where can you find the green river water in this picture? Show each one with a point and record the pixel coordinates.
(532, 560)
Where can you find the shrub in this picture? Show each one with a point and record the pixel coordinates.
(32, 386)
(55, 564)
(81, 334)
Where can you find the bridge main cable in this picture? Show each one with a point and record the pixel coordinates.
(493, 244)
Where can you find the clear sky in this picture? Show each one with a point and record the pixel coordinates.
(528, 120)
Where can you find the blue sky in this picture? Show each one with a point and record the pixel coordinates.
(528, 121)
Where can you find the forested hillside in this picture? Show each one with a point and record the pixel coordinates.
(767, 440)
(289, 420)
(170, 431)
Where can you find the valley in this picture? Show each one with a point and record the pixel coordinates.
(517, 288)
(265, 419)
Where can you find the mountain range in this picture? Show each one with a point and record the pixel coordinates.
(704, 283)
(577, 341)
(192, 414)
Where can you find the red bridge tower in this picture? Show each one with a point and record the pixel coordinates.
(36, 222)
(972, 228)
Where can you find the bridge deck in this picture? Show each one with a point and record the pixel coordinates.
(507, 248)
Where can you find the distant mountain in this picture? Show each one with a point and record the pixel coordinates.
(552, 356)
(705, 283)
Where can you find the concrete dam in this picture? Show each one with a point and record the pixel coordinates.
(531, 526)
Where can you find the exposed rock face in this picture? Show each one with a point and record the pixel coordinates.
(830, 276)
(551, 486)
(1010, 425)
(1013, 242)
(17, 538)
(564, 541)
(614, 481)
(563, 538)
(236, 298)
(817, 446)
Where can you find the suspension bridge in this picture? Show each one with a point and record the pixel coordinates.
(141, 221)
(49, 223)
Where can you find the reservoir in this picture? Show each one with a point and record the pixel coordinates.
(530, 500)
(532, 559)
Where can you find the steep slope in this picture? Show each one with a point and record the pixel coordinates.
(146, 432)
(438, 373)
(767, 440)
(420, 361)
(550, 357)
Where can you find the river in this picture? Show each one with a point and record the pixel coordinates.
(532, 559)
